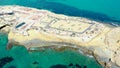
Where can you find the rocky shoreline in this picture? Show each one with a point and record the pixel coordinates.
(99, 40)
(61, 46)
(88, 51)
(81, 50)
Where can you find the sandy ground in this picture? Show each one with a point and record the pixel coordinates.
(105, 44)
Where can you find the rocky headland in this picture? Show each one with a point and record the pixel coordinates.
(36, 28)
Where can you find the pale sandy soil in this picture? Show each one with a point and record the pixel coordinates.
(105, 44)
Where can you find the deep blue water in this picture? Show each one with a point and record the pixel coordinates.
(106, 11)
(75, 9)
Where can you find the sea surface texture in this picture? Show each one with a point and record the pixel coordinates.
(105, 11)
(19, 57)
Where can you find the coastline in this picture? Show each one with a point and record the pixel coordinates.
(113, 23)
(59, 47)
(97, 44)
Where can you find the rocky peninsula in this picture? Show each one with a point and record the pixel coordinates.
(37, 28)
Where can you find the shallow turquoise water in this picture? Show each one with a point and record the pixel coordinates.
(48, 58)
(100, 10)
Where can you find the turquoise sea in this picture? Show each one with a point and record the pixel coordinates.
(19, 57)
(106, 11)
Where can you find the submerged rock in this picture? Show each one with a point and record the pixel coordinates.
(58, 66)
(5, 60)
